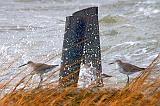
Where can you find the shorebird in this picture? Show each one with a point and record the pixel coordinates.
(127, 68)
(96, 75)
(39, 68)
(93, 71)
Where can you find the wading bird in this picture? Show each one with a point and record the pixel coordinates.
(127, 68)
(39, 68)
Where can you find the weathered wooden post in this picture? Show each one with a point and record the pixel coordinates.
(81, 42)
(92, 52)
(72, 51)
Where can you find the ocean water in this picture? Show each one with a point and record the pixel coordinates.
(34, 30)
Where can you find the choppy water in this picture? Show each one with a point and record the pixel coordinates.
(34, 30)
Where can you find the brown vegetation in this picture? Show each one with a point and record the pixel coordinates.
(142, 91)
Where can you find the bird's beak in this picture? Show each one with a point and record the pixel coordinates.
(105, 76)
(111, 63)
(22, 65)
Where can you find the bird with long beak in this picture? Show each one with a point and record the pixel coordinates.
(39, 68)
(127, 68)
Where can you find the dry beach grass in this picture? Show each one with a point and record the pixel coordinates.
(142, 91)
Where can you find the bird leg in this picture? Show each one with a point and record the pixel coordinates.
(99, 80)
(127, 79)
(41, 79)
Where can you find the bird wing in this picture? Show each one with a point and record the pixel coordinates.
(131, 68)
(40, 67)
